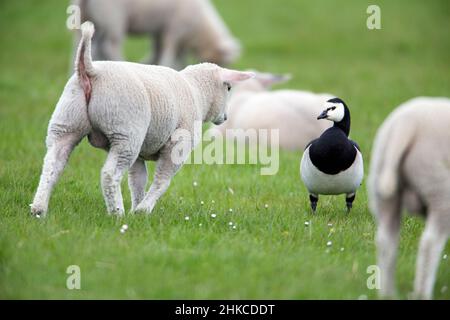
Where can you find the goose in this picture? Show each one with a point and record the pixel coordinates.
(332, 164)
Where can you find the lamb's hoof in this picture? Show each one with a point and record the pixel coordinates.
(37, 211)
(117, 212)
(349, 207)
(141, 210)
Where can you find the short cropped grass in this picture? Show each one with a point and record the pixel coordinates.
(271, 253)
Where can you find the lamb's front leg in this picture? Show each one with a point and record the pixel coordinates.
(165, 170)
(137, 180)
(171, 159)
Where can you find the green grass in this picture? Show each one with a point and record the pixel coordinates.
(271, 254)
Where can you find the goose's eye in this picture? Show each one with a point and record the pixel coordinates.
(333, 108)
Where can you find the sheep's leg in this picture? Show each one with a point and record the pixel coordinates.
(168, 50)
(59, 148)
(111, 48)
(387, 237)
(120, 158)
(137, 180)
(349, 198)
(157, 48)
(432, 243)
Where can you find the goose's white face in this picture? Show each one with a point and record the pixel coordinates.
(334, 111)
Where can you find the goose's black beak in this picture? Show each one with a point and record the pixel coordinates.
(323, 115)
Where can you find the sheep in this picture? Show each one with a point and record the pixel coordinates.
(411, 169)
(293, 112)
(133, 111)
(178, 28)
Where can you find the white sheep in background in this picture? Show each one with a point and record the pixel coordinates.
(411, 169)
(293, 112)
(133, 111)
(178, 28)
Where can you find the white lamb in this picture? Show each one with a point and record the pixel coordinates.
(133, 111)
(411, 169)
(293, 112)
(178, 28)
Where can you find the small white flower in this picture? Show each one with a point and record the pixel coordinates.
(329, 243)
(195, 183)
(234, 227)
(444, 257)
(38, 216)
(212, 201)
(125, 227)
(266, 206)
(122, 231)
(342, 249)
(202, 203)
(213, 215)
(186, 218)
(330, 225)
(200, 224)
(230, 223)
(306, 223)
(231, 210)
(230, 190)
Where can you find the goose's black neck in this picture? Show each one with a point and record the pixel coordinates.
(344, 124)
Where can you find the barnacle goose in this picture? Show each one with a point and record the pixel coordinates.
(332, 164)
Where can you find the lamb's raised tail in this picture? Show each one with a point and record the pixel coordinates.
(83, 61)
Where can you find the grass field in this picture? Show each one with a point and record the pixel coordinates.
(271, 253)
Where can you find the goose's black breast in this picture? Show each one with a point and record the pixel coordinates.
(332, 152)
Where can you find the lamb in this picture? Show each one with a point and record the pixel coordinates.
(133, 111)
(178, 28)
(293, 112)
(410, 169)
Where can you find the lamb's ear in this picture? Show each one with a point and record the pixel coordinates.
(234, 76)
(270, 79)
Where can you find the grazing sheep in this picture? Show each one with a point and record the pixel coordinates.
(178, 28)
(133, 111)
(293, 112)
(411, 169)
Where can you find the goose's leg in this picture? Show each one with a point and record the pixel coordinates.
(313, 198)
(349, 198)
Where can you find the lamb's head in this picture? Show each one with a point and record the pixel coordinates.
(215, 85)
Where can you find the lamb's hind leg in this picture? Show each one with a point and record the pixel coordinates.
(432, 243)
(59, 148)
(121, 156)
(389, 216)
